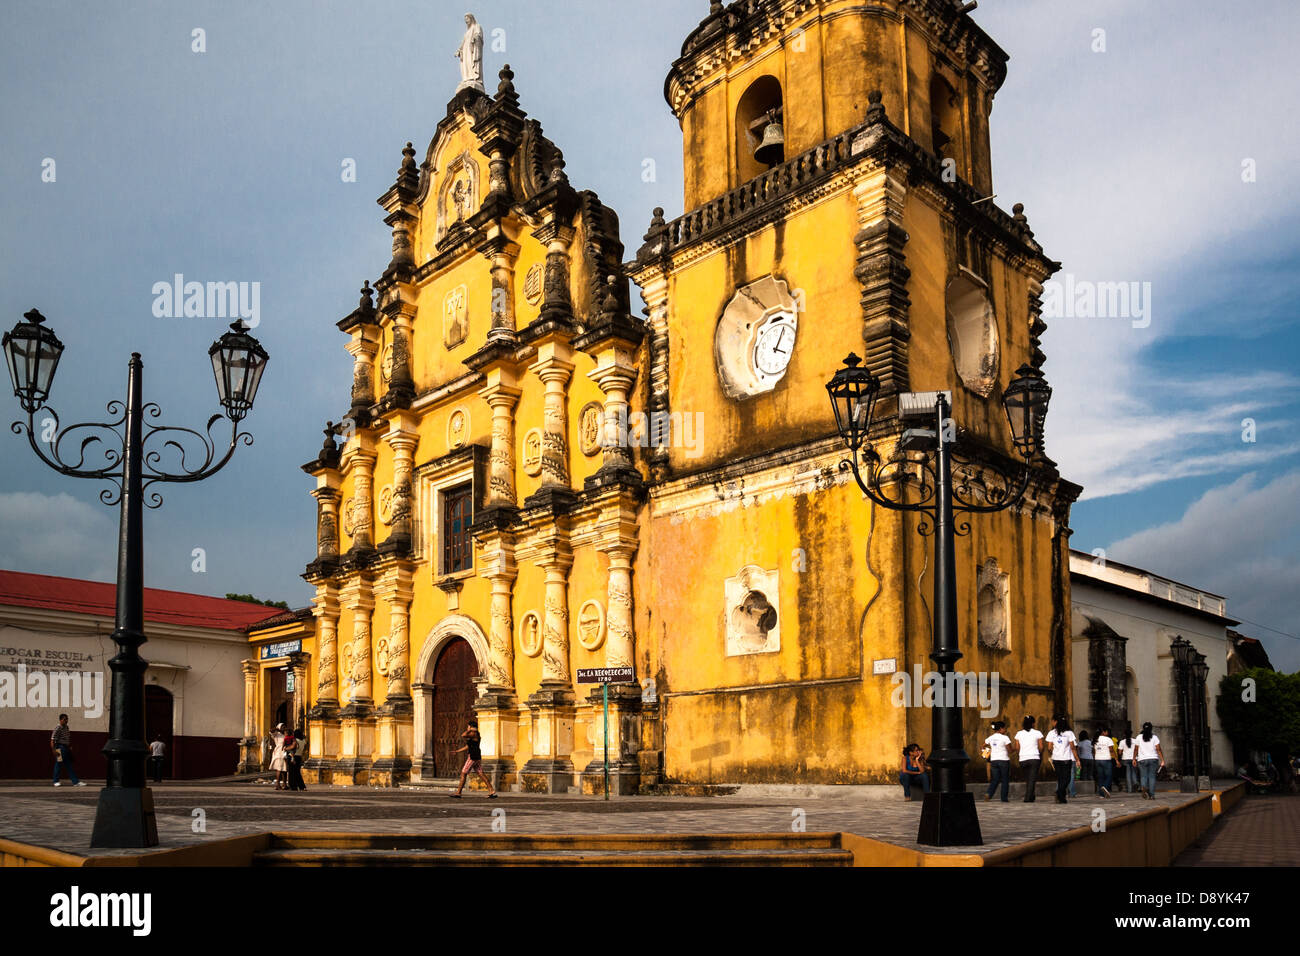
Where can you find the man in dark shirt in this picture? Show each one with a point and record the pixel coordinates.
(473, 760)
(61, 747)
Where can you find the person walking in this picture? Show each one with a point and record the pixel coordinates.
(61, 748)
(1065, 756)
(913, 771)
(1104, 761)
(279, 762)
(1127, 748)
(473, 760)
(998, 745)
(295, 757)
(1149, 760)
(157, 753)
(1028, 749)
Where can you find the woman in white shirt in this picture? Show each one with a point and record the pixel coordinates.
(1150, 759)
(279, 760)
(1065, 756)
(1031, 758)
(1127, 748)
(999, 745)
(1103, 749)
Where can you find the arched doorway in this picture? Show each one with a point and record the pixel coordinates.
(453, 704)
(158, 720)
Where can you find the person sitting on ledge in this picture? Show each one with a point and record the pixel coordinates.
(914, 771)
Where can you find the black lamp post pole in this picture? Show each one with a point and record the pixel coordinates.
(948, 814)
(125, 817)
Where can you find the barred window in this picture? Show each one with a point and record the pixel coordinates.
(457, 546)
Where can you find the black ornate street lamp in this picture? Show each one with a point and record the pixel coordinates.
(124, 816)
(924, 460)
(1183, 653)
(1200, 672)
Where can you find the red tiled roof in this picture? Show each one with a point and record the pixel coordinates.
(20, 589)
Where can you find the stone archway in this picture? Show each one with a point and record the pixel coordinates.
(451, 628)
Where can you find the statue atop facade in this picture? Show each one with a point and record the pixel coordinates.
(470, 55)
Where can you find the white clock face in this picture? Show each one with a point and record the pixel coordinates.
(774, 347)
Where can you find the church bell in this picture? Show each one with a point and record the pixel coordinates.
(771, 148)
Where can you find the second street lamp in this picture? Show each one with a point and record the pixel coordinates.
(124, 816)
(948, 815)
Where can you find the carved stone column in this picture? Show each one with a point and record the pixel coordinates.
(250, 745)
(550, 770)
(394, 720)
(359, 520)
(363, 347)
(356, 734)
(497, 707)
(620, 645)
(502, 253)
(502, 394)
(615, 374)
(403, 436)
(323, 718)
(327, 523)
(556, 303)
(554, 367)
(300, 665)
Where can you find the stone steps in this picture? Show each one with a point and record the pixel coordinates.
(640, 849)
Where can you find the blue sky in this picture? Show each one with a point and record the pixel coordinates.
(225, 165)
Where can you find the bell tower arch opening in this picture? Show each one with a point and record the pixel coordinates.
(760, 136)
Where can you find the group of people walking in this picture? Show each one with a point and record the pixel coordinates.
(288, 753)
(1072, 757)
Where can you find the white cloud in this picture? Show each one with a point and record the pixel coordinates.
(1241, 540)
(57, 534)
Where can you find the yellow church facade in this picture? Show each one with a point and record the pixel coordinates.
(530, 479)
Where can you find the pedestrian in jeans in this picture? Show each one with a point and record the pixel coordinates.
(1028, 742)
(1149, 759)
(913, 771)
(1103, 761)
(1065, 756)
(61, 747)
(999, 747)
(1127, 748)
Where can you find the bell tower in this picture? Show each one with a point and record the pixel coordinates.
(777, 77)
(837, 199)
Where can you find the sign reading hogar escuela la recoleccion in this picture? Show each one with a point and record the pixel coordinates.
(606, 675)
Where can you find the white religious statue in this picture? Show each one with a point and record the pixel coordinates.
(470, 55)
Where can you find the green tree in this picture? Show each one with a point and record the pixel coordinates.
(1260, 710)
(252, 600)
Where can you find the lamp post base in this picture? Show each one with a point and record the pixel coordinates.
(949, 819)
(125, 818)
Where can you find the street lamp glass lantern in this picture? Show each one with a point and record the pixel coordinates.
(32, 353)
(238, 361)
(1025, 400)
(853, 392)
(1182, 651)
(1201, 669)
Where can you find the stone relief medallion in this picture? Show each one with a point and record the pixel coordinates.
(349, 512)
(455, 317)
(533, 284)
(530, 634)
(753, 622)
(591, 625)
(590, 420)
(457, 428)
(386, 364)
(533, 452)
(386, 504)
